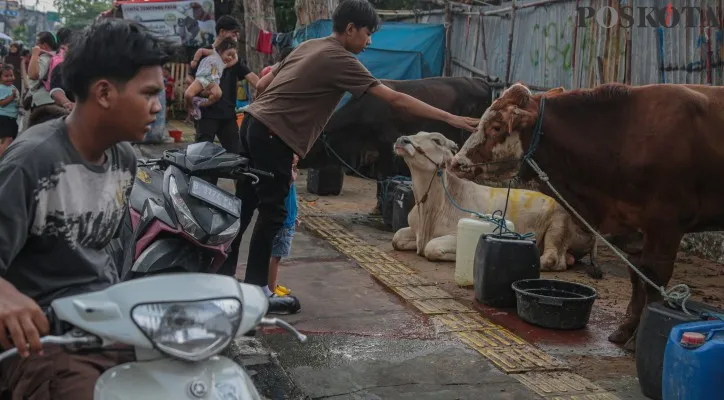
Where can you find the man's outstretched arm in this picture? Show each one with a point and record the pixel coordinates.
(402, 101)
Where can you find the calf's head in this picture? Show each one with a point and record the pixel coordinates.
(496, 150)
(425, 151)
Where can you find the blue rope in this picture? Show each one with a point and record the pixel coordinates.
(500, 222)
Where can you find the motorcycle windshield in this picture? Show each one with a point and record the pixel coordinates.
(203, 151)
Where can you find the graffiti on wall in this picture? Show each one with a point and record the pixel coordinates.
(557, 44)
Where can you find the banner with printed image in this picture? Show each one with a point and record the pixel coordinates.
(190, 23)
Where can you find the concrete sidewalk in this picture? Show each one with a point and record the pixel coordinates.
(364, 342)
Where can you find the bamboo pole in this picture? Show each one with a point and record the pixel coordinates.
(448, 38)
(604, 60)
(510, 44)
(617, 48)
(476, 40)
(573, 54)
(522, 6)
(482, 46)
(408, 13)
(627, 76)
(499, 85)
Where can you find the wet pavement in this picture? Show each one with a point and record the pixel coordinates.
(365, 343)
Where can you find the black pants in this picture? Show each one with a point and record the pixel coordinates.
(8, 127)
(268, 153)
(225, 129)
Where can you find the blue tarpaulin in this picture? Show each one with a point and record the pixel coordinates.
(399, 50)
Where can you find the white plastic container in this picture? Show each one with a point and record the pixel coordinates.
(468, 234)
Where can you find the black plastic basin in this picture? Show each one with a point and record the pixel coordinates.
(554, 304)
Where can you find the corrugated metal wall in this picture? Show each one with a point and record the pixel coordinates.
(549, 51)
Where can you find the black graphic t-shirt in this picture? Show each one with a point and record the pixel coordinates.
(58, 213)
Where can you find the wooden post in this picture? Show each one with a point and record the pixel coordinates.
(448, 38)
(510, 44)
(309, 11)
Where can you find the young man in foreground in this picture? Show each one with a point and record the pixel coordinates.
(64, 185)
(297, 99)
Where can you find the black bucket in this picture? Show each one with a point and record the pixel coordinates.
(554, 304)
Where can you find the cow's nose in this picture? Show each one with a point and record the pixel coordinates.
(455, 164)
(404, 140)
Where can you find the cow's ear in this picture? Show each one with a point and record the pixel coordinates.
(555, 91)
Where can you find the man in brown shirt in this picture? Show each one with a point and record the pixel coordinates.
(295, 102)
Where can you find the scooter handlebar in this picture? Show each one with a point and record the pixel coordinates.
(284, 325)
(66, 339)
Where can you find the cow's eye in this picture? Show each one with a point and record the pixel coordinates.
(437, 141)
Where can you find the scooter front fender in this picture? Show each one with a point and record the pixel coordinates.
(215, 378)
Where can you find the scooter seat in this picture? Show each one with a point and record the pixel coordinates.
(148, 184)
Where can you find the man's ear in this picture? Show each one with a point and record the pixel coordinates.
(103, 92)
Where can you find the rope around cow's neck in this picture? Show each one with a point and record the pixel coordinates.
(500, 223)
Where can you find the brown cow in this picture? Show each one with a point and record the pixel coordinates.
(628, 159)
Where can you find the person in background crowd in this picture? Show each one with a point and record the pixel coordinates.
(168, 85)
(46, 45)
(208, 75)
(24, 61)
(220, 119)
(64, 186)
(9, 96)
(15, 59)
(57, 93)
(295, 101)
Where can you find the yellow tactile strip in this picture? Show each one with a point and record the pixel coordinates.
(562, 385)
(545, 375)
(461, 323)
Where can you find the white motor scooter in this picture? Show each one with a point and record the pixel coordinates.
(177, 325)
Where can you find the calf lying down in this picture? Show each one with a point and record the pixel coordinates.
(433, 223)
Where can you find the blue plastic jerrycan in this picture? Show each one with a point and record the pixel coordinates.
(694, 362)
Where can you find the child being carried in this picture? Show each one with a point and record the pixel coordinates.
(208, 76)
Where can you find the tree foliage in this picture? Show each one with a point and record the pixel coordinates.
(80, 13)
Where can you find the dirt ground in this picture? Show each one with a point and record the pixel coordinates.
(588, 351)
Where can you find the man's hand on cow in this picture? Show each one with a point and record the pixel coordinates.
(22, 319)
(467, 123)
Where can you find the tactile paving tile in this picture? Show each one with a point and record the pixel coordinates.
(516, 359)
(350, 241)
(397, 280)
(490, 338)
(421, 292)
(467, 322)
(376, 257)
(590, 396)
(440, 306)
(562, 385)
(378, 269)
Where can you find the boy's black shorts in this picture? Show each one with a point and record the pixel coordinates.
(8, 127)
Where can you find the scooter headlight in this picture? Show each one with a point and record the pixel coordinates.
(225, 236)
(185, 218)
(190, 331)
